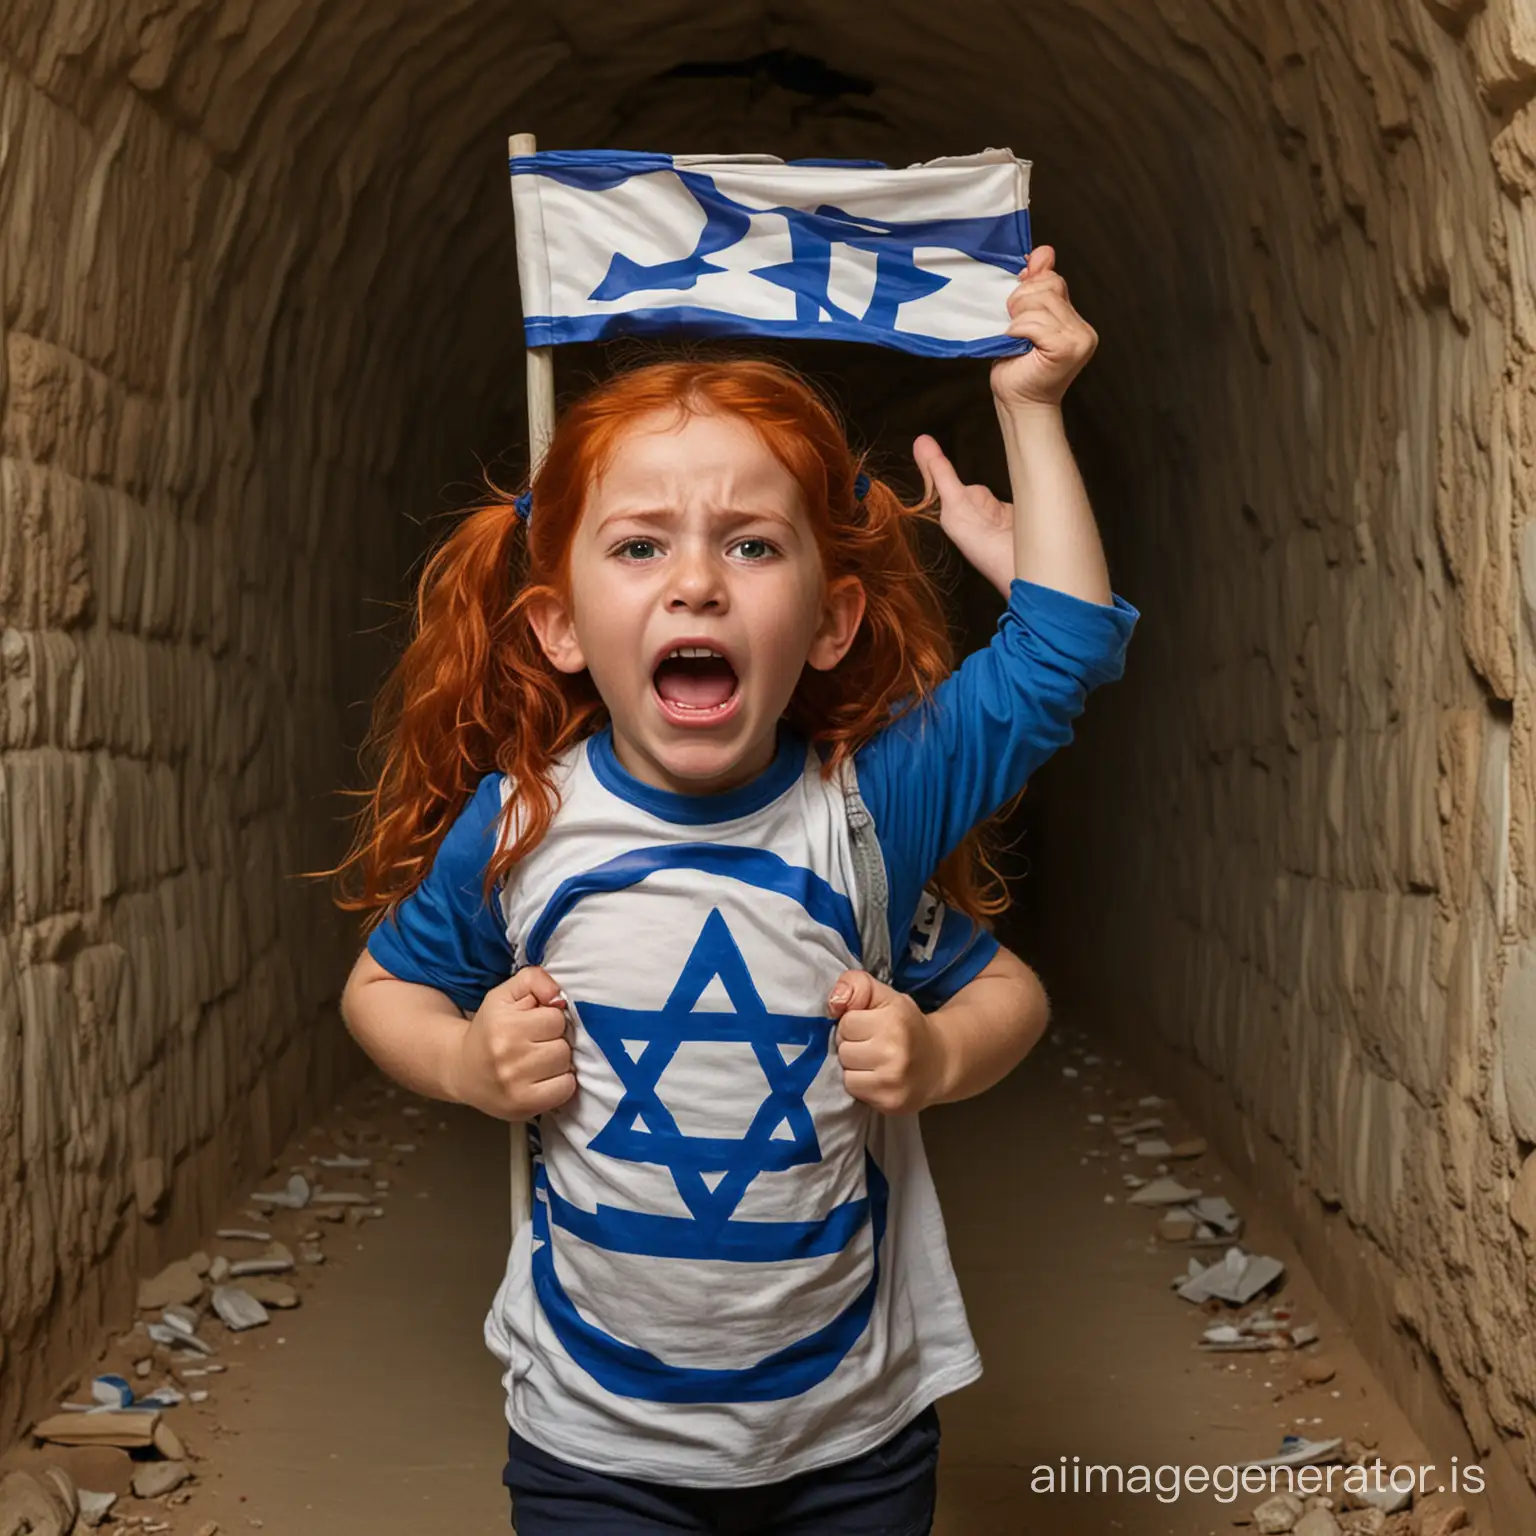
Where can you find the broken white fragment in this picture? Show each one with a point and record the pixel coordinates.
(277, 1260)
(1165, 1191)
(1299, 1452)
(1236, 1277)
(341, 1197)
(218, 1271)
(244, 1234)
(344, 1161)
(1303, 1334)
(1382, 1494)
(182, 1319)
(238, 1309)
(1149, 1101)
(293, 1198)
(94, 1506)
(1153, 1147)
(1216, 1211)
(163, 1333)
(1095, 1119)
(1069, 1071)
(1276, 1516)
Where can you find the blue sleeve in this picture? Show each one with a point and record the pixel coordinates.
(961, 755)
(944, 951)
(445, 934)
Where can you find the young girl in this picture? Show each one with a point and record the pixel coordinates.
(705, 696)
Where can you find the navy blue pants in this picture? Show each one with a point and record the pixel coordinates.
(888, 1491)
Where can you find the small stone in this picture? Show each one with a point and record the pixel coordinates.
(1316, 1522)
(1439, 1515)
(208, 1528)
(1278, 1515)
(177, 1282)
(168, 1442)
(199, 1262)
(142, 1368)
(1317, 1369)
(1363, 1522)
(269, 1291)
(155, 1479)
(218, 1271)
(1194, 1146)
(311, 1253)
(1177, 1227)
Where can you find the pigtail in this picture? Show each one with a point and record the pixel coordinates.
(903, 651)
(471, 693)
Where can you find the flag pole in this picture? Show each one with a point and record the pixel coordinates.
(541, 428)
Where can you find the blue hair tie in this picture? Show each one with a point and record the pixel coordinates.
(523, 505)
(860, 486)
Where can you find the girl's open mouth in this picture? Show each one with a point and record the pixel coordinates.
(696, 685)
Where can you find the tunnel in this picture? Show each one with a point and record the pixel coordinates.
(262, 334)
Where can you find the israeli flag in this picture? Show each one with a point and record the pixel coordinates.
(615, 242)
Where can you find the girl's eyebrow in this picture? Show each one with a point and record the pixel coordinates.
(670, 515)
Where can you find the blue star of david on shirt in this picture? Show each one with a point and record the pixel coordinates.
(789, 1048)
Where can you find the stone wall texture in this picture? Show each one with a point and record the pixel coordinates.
(258, 313)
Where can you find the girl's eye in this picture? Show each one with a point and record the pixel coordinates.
(754, 549)
(638, 549)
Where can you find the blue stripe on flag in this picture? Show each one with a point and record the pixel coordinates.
(558, 330)
(595, 170)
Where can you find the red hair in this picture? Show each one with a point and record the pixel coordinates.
(474, 692)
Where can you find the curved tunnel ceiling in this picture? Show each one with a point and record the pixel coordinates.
(259, 296)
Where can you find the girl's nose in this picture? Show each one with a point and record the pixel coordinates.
(698, 583)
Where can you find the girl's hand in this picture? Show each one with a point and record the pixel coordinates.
(514, 1061)
(893, 1058)
(1040, 311)
(976, 522)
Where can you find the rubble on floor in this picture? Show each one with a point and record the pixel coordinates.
(1226, 1290)
(115, 1462)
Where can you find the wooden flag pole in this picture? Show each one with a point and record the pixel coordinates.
(541, 428)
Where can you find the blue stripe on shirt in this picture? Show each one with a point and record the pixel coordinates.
(445, 934)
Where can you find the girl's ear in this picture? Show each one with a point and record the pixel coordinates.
(555, 631)
(841, 614)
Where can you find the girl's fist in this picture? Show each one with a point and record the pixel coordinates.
(1040, 311)
(514, 1061)
(893, 1058)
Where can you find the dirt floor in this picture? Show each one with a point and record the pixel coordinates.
(374, 1408)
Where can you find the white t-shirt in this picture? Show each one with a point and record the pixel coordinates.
(736, 1272)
